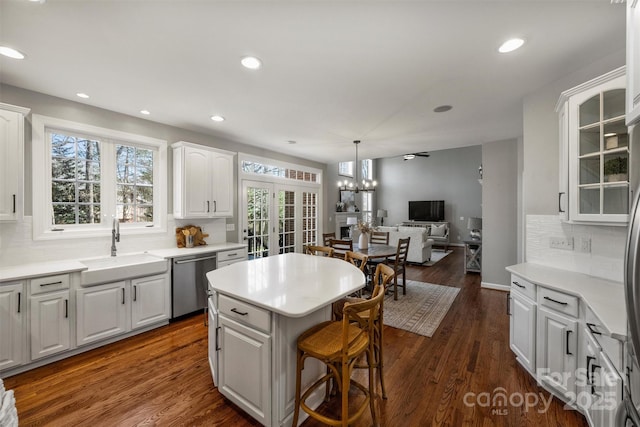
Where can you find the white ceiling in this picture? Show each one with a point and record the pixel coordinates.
(334, 71)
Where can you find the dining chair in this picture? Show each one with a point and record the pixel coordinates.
(399, 266)
(380, 237)
(318, 250)
(383, 276)
(326, 238)
(339, 344)
(340, 247)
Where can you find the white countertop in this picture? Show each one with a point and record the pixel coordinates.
(177, 252)
(605, 297)
(292, 284)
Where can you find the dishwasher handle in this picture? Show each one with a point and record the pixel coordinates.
(185, 261)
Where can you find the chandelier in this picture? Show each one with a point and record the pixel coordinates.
(366, 185)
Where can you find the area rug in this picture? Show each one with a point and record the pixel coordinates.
(421, 310)
(435, 257)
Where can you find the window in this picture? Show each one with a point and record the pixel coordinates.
(85, 176)
(345, 169)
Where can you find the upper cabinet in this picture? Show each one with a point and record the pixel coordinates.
(202, 181)
(633, 61)
(11, 161)
(595, 151)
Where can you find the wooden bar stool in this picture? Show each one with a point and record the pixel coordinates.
(338, 344)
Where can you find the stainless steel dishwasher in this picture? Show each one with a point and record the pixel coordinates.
(189, 283)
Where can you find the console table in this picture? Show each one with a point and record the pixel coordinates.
(472, 256)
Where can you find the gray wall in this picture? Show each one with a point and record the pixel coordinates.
(499, 210)
(75, 111)
(449, 175)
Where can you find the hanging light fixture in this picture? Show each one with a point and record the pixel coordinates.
(355, 186)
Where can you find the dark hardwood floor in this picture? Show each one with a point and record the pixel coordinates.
(162, 377)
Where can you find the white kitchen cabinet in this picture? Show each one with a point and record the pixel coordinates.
(522, 330)
(101, 312)
(594, 151)
(50, 325)
(150, 300)
(244, 364)
(12, 334)
(557, 350)
(231, 257)
(202, 181)
(212, 335)
(633, 62)
(11, 161)
(609, 391)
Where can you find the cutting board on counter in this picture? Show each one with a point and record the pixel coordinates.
(191, 230)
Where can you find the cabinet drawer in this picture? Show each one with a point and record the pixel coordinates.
(235, 254)
(523, 286)
(49, 283)
(244, 312)
(558, 301)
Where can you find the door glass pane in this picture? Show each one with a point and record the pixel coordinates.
(590, 111)
(258, 222)
(589, 140)
(616, 199)
(615, 135)
(286, 221)
(590, 170)
(613, 104)
(616, 167)
(309, 218)
(589, 200)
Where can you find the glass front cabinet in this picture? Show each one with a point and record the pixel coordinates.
(595, 151)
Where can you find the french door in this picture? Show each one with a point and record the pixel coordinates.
(278, 218)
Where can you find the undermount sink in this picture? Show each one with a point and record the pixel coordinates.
(111, 269)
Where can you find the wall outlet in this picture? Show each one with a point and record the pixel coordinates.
(565, 243)
(231, 227)
(585, 245)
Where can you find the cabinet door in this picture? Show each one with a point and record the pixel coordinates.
(557, 349)
(522, 330)
(244, 368)
(101, 312)
(11, 161)
(609, 391)
(222, 184)
(563, 191)
(150, 300)
(50, 327)
(11, 321)
(197, 183)
(213, 341)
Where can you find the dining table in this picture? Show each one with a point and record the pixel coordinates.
(376, 251)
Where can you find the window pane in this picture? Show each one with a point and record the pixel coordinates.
(134, 175)
(589, 140)
(89, 150)
(144, 195)
(615, 135)
(64, 214)
(616, 199)
(88, 214)
(88, 170)
(88, 192)
(590, 170)
(590, 200)
(590, 111)
(62, 191)
(63, 168)
(616, 167)
(613, 104)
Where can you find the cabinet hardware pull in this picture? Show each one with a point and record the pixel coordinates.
(122, 295)
(59, 282)
(519, 285)
(234, 254)
(185, 261)
(207, 206)
(567, 349)
(66, 308)
(215, 206)
(14, 203)
(593, 371)
(206, 316)
(135, 292)
(239, 312)
(217, 334)
(508, 303)
(591, 327)
(589, 378)
(556, 301)
(560, 202)
(19, 301)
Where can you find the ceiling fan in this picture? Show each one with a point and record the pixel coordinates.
(414, 155)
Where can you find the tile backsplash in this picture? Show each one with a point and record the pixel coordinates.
(17, 246)
(603, 258)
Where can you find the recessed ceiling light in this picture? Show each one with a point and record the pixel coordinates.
(11, 53)
(251, 62)
(510, 45)
(292, 141)
(409, 156)
(145, 112)
(442, 108)
(217, 118)
(82, 95)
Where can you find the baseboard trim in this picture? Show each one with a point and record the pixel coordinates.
(495, 286)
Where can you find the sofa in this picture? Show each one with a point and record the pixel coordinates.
(438, 231)
(419, 245)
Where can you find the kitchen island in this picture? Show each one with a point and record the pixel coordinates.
(257, 310)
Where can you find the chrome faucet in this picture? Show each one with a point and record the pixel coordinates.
(115, 236)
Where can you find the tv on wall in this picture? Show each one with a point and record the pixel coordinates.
(426, 210)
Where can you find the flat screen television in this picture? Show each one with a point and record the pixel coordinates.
(426, 210)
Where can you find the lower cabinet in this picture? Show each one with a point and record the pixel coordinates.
(522, 331)
(50, 325)
(12, 334)
(245, 368)
(151, 300)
